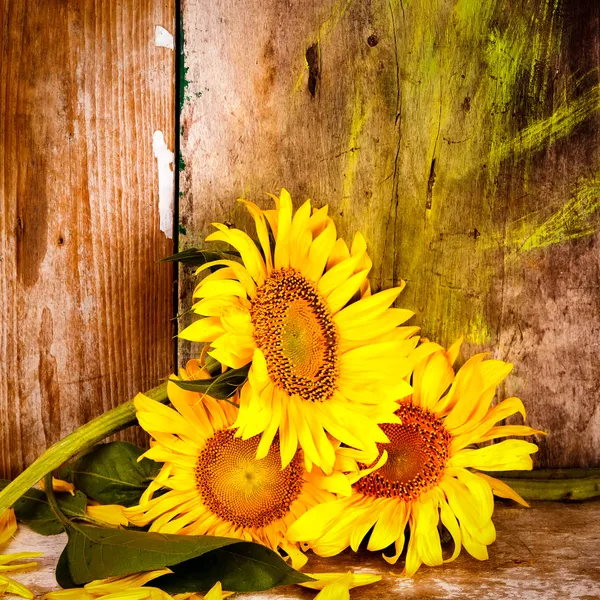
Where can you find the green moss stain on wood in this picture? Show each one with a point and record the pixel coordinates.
(543, 133)
(579, 217)
(183, 68)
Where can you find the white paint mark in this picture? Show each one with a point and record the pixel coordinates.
(166, 182)
(163, 38)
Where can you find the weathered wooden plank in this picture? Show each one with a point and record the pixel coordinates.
(460, 137)
(85, 317)
(548, 552)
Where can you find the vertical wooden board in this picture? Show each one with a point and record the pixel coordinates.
(461, 137)
(85, 317)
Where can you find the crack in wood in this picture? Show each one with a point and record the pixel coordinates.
(314, 74)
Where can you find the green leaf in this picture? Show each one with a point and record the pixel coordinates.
(97, 553)
(33, 510)
(197, 257)
(243, 567)
(111, 473)
(221, 387)
(62, 573)
(65, 472)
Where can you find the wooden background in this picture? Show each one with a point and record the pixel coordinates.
(84, 308)
(460, 136)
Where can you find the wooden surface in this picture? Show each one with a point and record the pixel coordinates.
(460, 136)
(547, 553)
(85, 310)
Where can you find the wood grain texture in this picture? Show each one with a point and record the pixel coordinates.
(85, 309)
(546, 553)
(460, 136)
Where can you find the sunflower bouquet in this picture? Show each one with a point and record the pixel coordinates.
(312, 420)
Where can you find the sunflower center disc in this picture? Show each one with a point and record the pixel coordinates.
(241, 489)
(417, 454)
(294, 329)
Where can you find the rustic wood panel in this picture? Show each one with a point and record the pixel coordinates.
(546, 553)
(462, 138)
(85, 309)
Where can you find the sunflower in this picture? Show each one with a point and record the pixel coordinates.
(326, 356)
(216, 485)
(428, 471)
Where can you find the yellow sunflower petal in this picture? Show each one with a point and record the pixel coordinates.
(314, 523)
(378, 327)
(431, 379)
(215, 593)
(338, 589)
(479, 488)
(462, 503)
(225, 287)
(361, 522)
(261, 231)
(6, 559)
(454, 350)
(117, 584)
(426, 532)
(470, 387)
(343, 293)
(300, 238)
(284, 225)
(322, 579)
(207, 329)
(297, 558)
(288, 436)
(271, 430)
(472, 546)
(215, 306)
(321, 440)
(319, 252)
(510, 430)
(305, 437)
(234, 270)
(389, 526)
(451, 524)
(502, 490)
(58, 485)
(71, 594)
(10, 586)
(337, 275)
(229, 359)
(8, 525)
(318, 221)
(413, 561)
(461, 382)
(108, 513)
(339, 253)
(242, 242)
(501, 411)
(367, 308)
(508, 455)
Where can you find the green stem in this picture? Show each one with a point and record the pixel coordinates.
(555, 489)
(85, 437)
(553, 484)
(52, 501)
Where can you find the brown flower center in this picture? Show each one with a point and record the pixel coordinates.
(241, 489)
(294, 329)
(417, 454)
